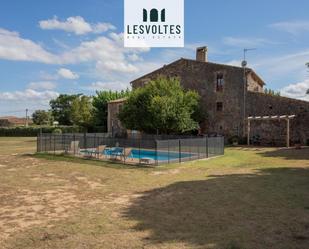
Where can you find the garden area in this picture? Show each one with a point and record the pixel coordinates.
(248, 198)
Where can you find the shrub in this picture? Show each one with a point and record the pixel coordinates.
(33, 131)
(57, 131)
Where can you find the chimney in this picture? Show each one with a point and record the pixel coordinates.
(201, 54)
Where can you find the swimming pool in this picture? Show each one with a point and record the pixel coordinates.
(142, 154)
(149, 154)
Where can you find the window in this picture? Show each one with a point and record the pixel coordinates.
(220, 82)
(219, 106)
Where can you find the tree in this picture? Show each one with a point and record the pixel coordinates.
(100, 101)
(161, 106)
(82, 111)
(42, 117)
(61, 108)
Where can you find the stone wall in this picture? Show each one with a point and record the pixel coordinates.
(274, 132)
(114, 125)
(201, 76)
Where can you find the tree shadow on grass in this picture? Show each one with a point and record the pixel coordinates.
(89, 161)
(268, 209)
(290, 154)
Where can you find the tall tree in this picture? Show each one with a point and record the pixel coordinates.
(61, 108)
(100, 101)
(42, 117)
(82, 111)
(163, 106)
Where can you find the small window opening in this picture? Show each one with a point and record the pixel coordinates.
(220, 82)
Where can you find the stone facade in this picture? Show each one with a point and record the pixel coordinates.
(223, 95)
(114, 126)
(222, 104)
(274, 132)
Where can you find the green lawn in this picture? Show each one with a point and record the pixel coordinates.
(249, 198)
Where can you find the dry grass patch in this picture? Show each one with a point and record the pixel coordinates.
(250, 198)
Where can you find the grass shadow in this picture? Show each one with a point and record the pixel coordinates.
(268, 209)
(288, 153)
(89, 161)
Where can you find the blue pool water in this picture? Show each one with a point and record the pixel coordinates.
(139, 154)
(149, 154)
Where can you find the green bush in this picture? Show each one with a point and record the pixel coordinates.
(33, 131)
(57, 131)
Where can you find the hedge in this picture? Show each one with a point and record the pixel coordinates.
(33, 131)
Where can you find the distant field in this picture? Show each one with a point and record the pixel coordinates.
(249, 198)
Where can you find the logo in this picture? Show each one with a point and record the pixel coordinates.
(154, 16)
(154, 23)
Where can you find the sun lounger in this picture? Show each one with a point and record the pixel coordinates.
(126, 153)
(100, 151)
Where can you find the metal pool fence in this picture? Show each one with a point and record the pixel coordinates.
(131, 150)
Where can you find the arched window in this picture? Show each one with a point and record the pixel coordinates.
(145, 15)
(154, 16)
(163, 15)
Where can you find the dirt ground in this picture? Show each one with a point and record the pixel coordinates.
(249, 198)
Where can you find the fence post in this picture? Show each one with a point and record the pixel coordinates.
(62, 141)
(50, 142)
(168, 151)
(139, 151)
(206, 138)
(74, 142)
(156, 145)
(54, 144)
(41, 145)
(179, 141)
(198, 150)
(37, 143)
(85, 140)
(222, 145)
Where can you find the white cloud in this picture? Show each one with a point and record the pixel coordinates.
(42, 85)
(134, 57)
(28, 95)
(15, 103)
(115, 86)
(281, 66)
(292, 27)
(13, 47)
(297, 90)
(67, 74)
(245, 42)
(108, 54)
(103, 27)
(75, 24)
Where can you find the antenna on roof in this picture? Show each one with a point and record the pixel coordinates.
(244, 62)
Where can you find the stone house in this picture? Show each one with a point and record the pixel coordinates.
(229, 94)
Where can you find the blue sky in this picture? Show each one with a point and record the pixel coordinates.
(52, 47)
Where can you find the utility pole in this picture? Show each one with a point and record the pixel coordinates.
(27, 117)
(244, 66)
